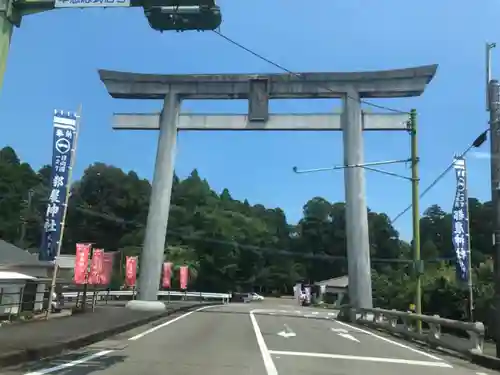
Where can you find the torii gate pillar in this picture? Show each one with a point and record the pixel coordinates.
(258, 89)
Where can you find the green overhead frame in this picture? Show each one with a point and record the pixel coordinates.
(162, 15)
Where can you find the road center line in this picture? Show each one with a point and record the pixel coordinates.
(151, 330)
(356, 358)
(390, 341)
(264, 351)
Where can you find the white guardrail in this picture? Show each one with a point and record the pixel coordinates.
(405, 324)
(104, 294)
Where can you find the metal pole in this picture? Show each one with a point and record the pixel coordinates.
(494, 107)
(489, 47)
(63, 224)
(121, 266)
(86, 285)
(6, 29)
(415, 180)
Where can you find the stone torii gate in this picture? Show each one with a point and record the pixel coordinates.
(258, 89)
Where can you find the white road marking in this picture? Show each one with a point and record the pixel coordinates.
(368, 359)
(106, 352)
(264, 351)
(70, 364)
(315, 313)
(390, 341)
(287, 332)
(344, 333)
(348, 336)
(151, 330)
(339, 330)
(265, 311)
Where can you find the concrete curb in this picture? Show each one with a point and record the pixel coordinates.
(51, 350)
(486, 361)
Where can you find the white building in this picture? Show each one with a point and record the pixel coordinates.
(23, 280)
(335, 289)
(12, 287)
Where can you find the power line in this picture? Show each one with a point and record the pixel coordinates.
(281, 67)
(477, 142)
(275, 251)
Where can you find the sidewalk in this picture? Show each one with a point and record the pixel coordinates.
(24, 342)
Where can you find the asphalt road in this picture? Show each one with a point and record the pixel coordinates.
(269, 338)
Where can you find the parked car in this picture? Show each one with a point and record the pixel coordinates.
(238, 297)
(255, 297)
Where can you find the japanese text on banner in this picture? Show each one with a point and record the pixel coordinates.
(130, 271)
(107, 271)
(63, 144)
(81, 263)
(183, 277)
(96, 267)
(167, 275)
(460, 222)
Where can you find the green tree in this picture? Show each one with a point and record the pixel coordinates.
(230, 244)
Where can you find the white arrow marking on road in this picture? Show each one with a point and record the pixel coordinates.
(339, 330)
(343, 333)
(287, 332)
(348, 336)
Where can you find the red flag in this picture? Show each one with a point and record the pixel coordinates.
(167, 274)
(107, 268)
(81, 262)
(183, 276)
(131, 271)
(96, 267)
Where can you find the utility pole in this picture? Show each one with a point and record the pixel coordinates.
(489, 47)
(494, 108)
(415, 180)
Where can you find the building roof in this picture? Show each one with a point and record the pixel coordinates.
(66, 261)
(7, 275)
(13, 255)
(336, 282)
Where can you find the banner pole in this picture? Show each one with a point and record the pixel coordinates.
(65, 208)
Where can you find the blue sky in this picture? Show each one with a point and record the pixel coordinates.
(55, 56)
